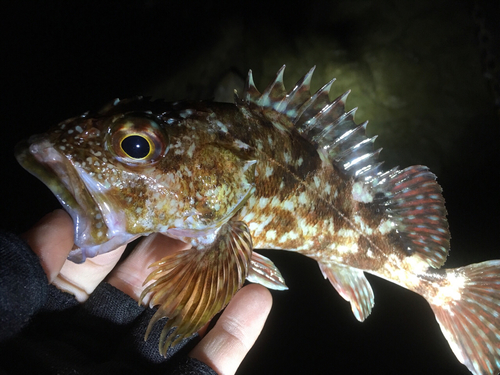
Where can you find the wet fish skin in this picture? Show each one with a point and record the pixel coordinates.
(278, 169)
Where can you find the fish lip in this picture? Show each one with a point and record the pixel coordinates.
(39, 157)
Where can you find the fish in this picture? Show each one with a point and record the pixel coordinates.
(287, 170)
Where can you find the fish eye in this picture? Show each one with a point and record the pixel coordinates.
(136, 146)
(136, 140)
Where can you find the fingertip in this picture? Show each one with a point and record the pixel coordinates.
(236, 331)
(259, 296)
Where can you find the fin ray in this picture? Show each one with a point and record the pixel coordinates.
(264, 272)
(415, 211)
(191, 286)
(352, 285)
(467, 309)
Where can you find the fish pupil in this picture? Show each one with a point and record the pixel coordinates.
(136, 146)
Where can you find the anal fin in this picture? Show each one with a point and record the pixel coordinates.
(352, 285)
(190, 287)
(264, 272)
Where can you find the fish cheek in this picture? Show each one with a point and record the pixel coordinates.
(221, 183)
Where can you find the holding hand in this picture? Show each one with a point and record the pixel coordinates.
(223, 348)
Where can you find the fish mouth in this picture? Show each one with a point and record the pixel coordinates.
(92, 236)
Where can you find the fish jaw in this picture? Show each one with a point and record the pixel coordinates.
(95, 232)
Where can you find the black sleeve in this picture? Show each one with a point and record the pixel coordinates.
(46, 331)
(23, 285)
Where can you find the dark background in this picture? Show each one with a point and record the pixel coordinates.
(425, 74)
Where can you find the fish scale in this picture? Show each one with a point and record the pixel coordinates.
(280, 169)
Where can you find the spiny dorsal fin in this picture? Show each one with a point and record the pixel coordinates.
(323, 122)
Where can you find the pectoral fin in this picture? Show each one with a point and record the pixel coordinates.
(190, 287)
(352, 285)
(264, 272)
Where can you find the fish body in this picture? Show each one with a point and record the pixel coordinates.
(278, 169)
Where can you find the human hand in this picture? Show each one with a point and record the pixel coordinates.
(223, 348)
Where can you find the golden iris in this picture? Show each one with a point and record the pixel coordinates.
(136, 140)
(137, 146)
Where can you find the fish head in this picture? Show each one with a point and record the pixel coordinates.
(128, 171)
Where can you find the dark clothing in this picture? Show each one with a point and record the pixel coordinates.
(46, 331)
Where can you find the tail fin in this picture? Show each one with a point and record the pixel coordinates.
(468, 311)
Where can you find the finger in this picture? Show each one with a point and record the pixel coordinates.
(51, 239)
(130, 275)
(81, 279)
(225, 346)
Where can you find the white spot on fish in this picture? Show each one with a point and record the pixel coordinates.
(253, 226)
(453, 290)
(362, 225)
(386, 226)
(343, 249)
(190, 150)
(288, 205)
(186, 113)
(283, 238)
(221, 126)
(274, 202)
(271, 235)
(303, 198)
(263, 202)
(317, 181)
(360, 193)
(241, 144)
(300, 161)
(260, 227)
(288, 157)
(79, 129)
(345, 232)
(269, 171)
(247, 218)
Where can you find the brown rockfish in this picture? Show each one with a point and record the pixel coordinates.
(279, 169)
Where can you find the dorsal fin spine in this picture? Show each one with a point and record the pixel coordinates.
(300, 93)
(250, 92)
(312, 103)
(323, 122)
